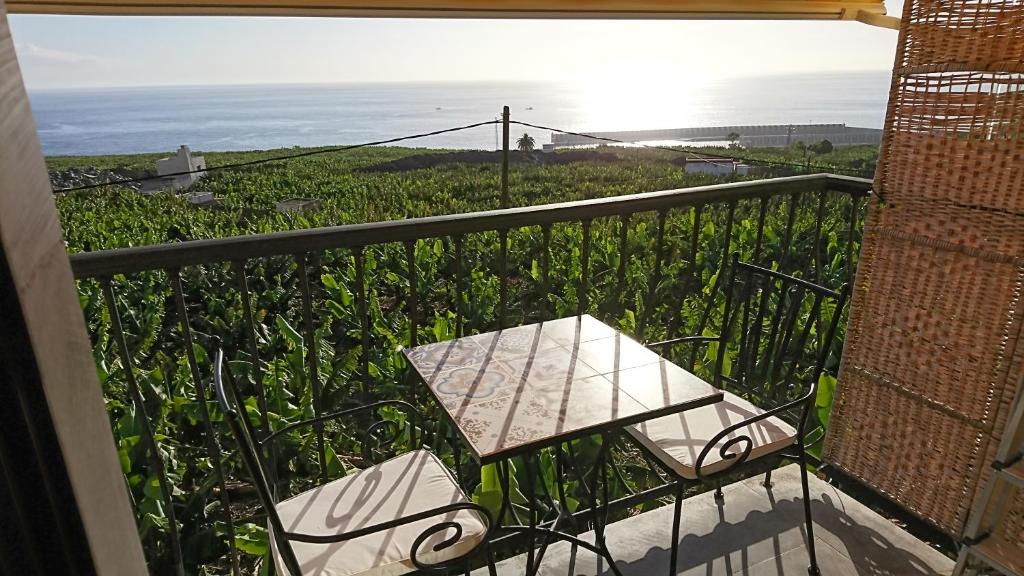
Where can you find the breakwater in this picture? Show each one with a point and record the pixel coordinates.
(769, 135)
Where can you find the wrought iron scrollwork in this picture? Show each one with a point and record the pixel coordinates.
(444, 527)
(726, 454)
(379, 438)
(375, 436)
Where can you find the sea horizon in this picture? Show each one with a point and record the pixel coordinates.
(236, 117)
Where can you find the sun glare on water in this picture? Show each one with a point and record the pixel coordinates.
(636, 97)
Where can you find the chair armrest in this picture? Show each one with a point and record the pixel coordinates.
(685, 339)
(748, 444)
(375, 428)
(409, 409)
(441, 526)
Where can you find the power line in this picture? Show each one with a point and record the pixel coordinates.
(334, 149)
(687, 150)
(330, 150)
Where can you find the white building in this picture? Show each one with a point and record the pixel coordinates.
(201, 198)
(298, 205)
(716, 167)
(182, 161)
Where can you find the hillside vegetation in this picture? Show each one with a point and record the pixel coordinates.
(356, 186)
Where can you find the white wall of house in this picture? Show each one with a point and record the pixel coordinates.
(182, 161)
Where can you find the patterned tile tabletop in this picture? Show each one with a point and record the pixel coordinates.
(533, 386)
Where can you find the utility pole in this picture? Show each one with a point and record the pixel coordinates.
(504, 157)
(503, 233)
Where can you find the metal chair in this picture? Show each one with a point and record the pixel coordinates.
(403, 515)
(786, 329)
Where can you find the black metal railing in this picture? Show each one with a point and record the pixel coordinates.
(646, 263)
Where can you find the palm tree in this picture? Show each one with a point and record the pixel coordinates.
(525, 143)
(800, 148)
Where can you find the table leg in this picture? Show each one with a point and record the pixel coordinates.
(507, 507)
(563, 511)
(596, 491)
(531, 510)
(563, 502)
(492, 566)
(457, 456)
(599, 504)
(506, 497)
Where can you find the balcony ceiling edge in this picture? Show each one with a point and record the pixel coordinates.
(521, 9)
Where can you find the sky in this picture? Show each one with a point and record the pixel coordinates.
(101, 51)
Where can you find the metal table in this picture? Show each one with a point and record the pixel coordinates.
(516, 391)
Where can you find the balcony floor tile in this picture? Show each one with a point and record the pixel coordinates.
(756, 532)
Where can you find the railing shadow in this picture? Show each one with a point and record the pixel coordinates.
(726, 549)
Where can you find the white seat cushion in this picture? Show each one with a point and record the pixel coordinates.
(411, 483)
(677, 440)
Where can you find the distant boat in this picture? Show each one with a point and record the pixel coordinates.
(438, 108)
(529, 107)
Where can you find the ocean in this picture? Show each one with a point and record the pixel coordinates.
(99, 121)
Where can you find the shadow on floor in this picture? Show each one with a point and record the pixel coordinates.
(848, 548)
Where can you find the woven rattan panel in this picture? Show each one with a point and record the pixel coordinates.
(932, 358)
(1011, 527)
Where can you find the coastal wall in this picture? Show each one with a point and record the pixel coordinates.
(770, 135)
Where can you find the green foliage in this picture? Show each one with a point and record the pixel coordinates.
(622, 288)
(823, 147)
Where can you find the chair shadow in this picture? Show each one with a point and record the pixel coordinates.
(725, 549)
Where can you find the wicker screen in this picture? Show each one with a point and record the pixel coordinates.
(932, 357)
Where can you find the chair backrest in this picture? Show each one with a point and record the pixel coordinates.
(780, 330)
(244, 433)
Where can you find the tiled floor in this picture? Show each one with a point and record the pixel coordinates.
(756, 532)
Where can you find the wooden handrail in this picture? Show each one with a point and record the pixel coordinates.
(105, 263)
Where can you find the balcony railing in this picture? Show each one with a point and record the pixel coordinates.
(314, 320)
